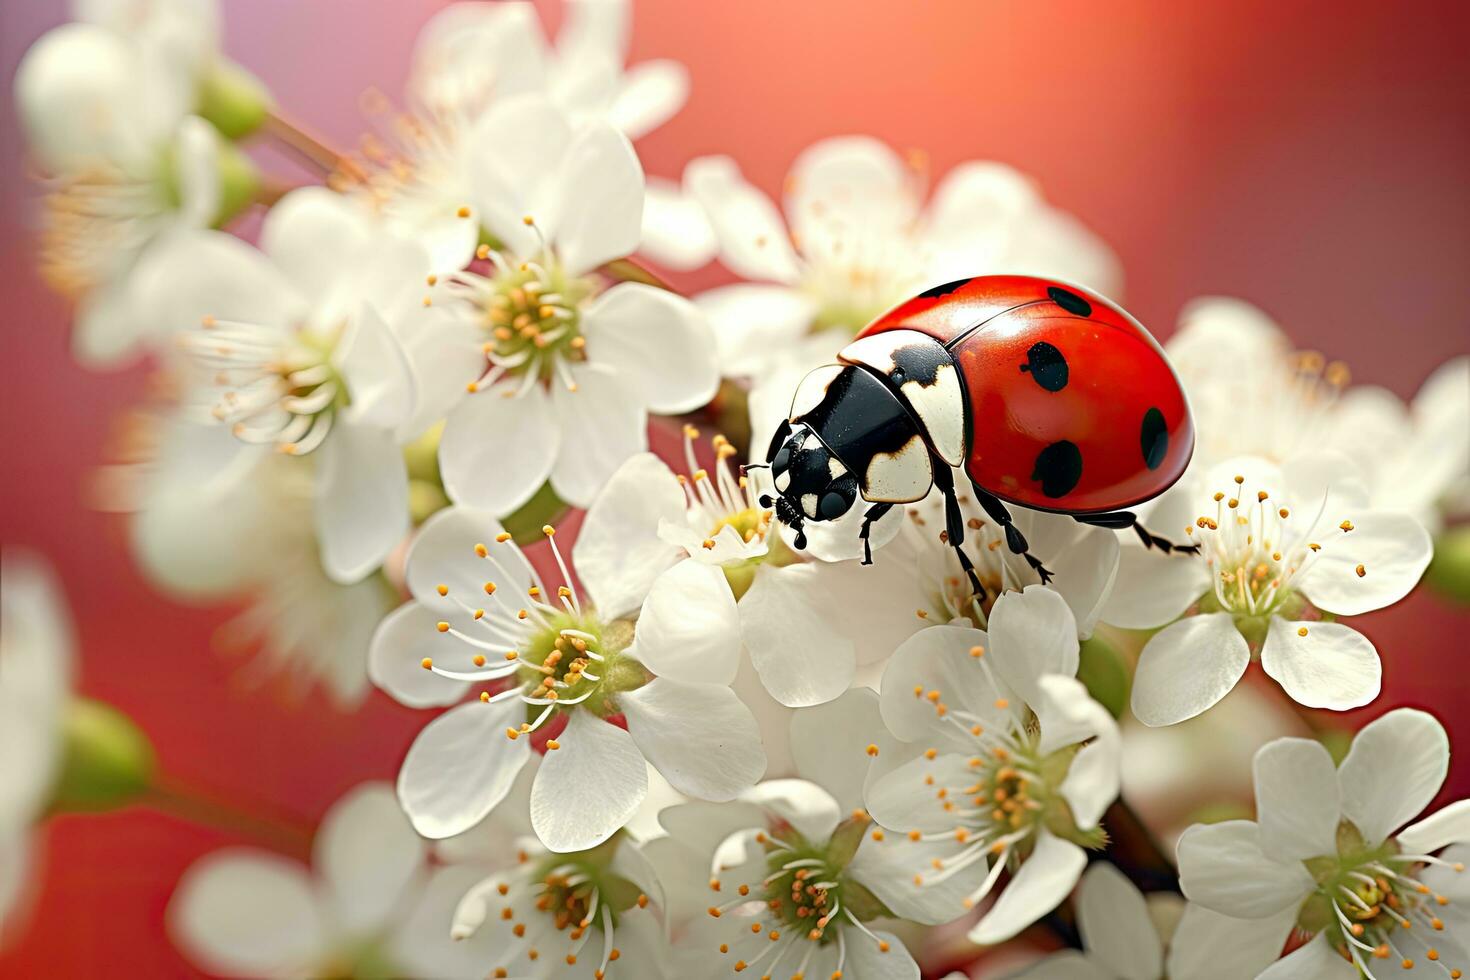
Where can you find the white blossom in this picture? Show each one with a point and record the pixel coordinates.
(660, 658)
(1330, 853)
(1280, 546)
(1008, 755)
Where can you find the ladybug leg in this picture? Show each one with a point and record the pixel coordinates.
(1119, 520)
(1015, 540)
(872, 514)
(954, 522)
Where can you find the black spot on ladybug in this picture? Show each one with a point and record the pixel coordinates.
(1069, 301)
(1047, 366)
(934, 292)
(1153, 438)
(1058, 467)
(915, 362)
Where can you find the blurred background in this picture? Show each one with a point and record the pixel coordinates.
(1311, 160)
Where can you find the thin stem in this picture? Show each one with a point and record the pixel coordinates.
(307, 148)
(1134, 850)
(272, 190)
(278, 831)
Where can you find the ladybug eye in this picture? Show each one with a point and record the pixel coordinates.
(783, 459)
(832, 506)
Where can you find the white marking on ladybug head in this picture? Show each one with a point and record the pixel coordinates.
(835, 467)
(809, 505)
(811, 443)
(902, 476)
(783, 481)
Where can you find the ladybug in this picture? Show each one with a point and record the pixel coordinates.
(1047, 395)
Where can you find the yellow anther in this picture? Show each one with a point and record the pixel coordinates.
(442, 627)
(553, 744)
(1301, 631)
(872, 749)
(427, 663)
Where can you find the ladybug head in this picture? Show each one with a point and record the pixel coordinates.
(813, 484)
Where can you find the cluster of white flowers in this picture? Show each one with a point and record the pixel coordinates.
(691, 744)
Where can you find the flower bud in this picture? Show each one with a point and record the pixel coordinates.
(107, 762)
(234, 100)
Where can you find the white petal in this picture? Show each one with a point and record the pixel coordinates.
(461, 766)
(1042, 883)
(778, 615)
(975, 207)
(312, 235)
(858, 600)
(602, 423)
(444, 553)
(1333, 666)
(243, 912)
(1395, 766)
(651, 92)
(658, 342)
(806, 806)
(216, 274)
(829, 743)
(1222, 867)
(750, 320)
(1032, 633)
(1085, 560)
(890, 867)
(1209, 946)
(1391, 549)
(1317, 960)
(401, 642)
(375, 368)
(618, 553)
(420, 943)
(589, 787)
(1093, 781)
(938, 658)
(689, 629)
(676, 232)
(1186, 668)
(361, 500)
(367, 854)
(1153, 589)
(600, 213)
(846, 186)
(1115, 926)
(1450, 825)
(699, 736)
(444, 356)
(109, 332)
(866, 958)
(496, 450)
(901, 799)
(1297, 805)
(753, 239)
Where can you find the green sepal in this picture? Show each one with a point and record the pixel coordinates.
(107, 761)
(1449, 570)
(234, 101)
(239, 183)
(845, 840)
(862, 903)
(1102, 671)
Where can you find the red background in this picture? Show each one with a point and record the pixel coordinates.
(1311, 158)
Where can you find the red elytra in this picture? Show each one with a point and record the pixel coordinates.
(1071, 405)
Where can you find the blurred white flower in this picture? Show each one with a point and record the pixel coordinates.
(1327, 854)
(426, 169)
(180, 35)
(123, 167)
(560, 375)
(1122, 940)
(37, 649)
(1278, 545)
(793, 875)
(1275, 402)
(295, 346)
(1020, 763)
(857, 239)
(216, 519)
(370, 905)
(590, 914)
(481, 613)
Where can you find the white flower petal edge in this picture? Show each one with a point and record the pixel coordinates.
(1448, 826)
(1045, 879)
(689, 627)
(367, 855)
(589, 787)
(1297, 802)
(1322, 665)
(618, 551)
(700, 737)
(1223, 867)
(1187, 668)
(1115, 925)
(1395, 766)
(658, 341)
(461, 766)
